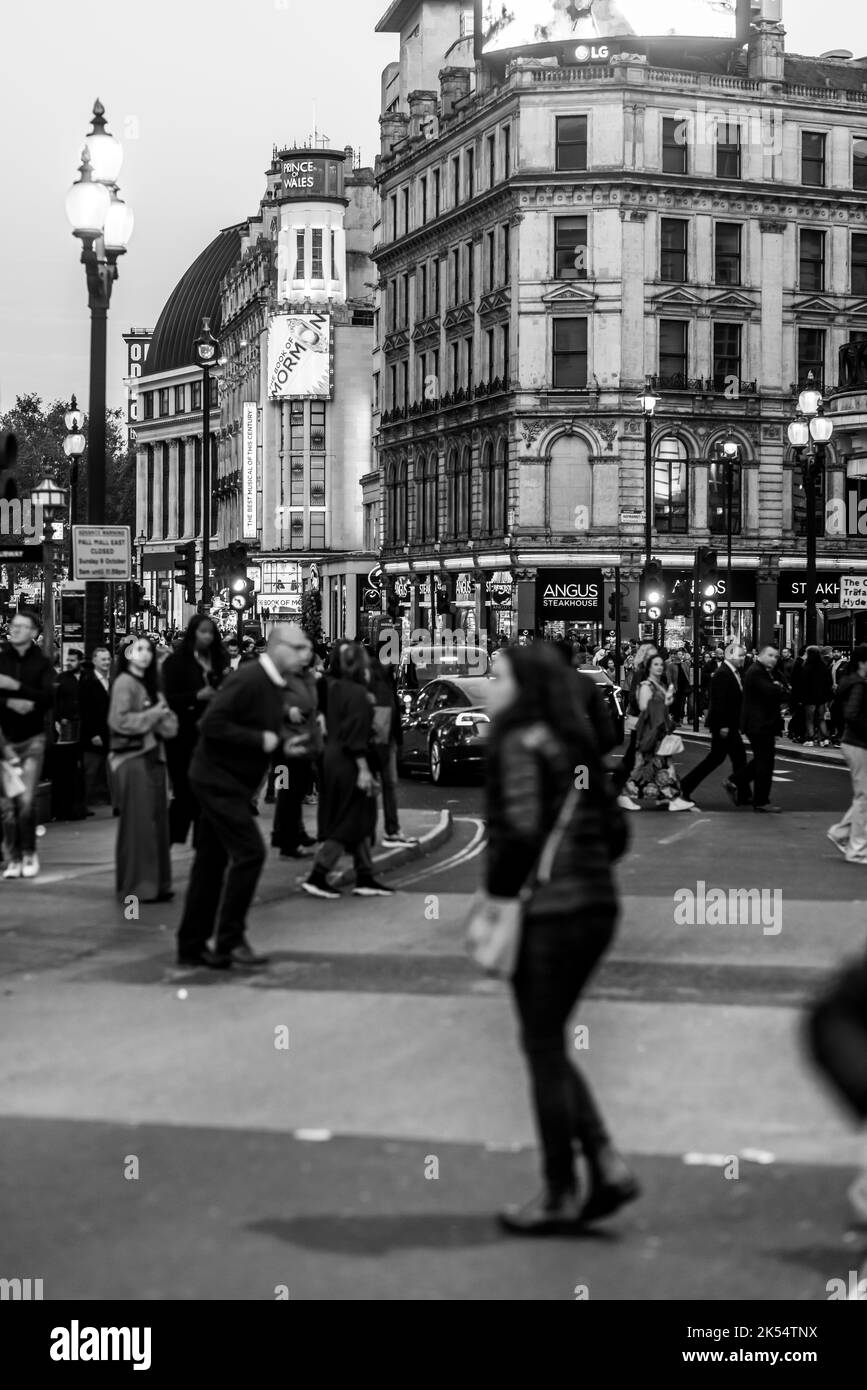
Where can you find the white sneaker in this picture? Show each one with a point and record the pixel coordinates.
(13, 869)
(396, 841)
(30, 866)
(678, 804)
(626, 803)
(808, 743)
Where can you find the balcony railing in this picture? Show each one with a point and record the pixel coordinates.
(705, 385)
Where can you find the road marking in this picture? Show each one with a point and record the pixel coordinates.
(687, 829)
(475, 847)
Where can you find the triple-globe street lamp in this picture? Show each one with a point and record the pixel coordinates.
(809, 435)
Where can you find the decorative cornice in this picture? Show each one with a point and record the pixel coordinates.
(494, 304)
(768, 224)
(426, 328)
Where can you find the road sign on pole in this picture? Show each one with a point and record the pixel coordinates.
(102, 554)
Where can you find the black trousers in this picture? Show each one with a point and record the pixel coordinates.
(558, 955)
(288, 819)
(759, 770)
(230, 853)
(720, 748)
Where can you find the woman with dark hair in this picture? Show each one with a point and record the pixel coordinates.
(138, 721)
(541, 744)
(190, 678)
(347, 788)
(653, 780)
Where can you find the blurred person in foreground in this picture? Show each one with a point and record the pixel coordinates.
(850, 834)
(541, 738)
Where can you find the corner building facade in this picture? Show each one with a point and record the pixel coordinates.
(553, 236)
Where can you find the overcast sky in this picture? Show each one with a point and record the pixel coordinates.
(198, 91)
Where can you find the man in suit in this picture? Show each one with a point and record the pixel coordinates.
(763, 699)
(93, 700)
(724, 722)
(240, 729)
(67, 772)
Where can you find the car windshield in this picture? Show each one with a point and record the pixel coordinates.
(431, 664)
(476, 689)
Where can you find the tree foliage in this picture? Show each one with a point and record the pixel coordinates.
(311, 615)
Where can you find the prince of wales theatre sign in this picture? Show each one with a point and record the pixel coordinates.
(299, 357)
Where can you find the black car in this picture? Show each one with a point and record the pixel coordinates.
(446, 728)
(611, 693)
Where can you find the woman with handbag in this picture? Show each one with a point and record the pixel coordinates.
(554, 830)
(138, 721)
(653, 781)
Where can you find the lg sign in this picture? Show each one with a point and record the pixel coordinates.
(595, 54)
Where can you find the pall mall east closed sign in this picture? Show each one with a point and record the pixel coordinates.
(569, 595)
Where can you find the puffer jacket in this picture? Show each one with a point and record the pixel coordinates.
(529, 772)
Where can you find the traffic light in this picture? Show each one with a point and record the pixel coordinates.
(653, 590)
(612, 606)
(137, 601)
(242, 588)
(708, 575)
(680, 604)
(185, 569)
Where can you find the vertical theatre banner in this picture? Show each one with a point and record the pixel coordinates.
(300, 358)
(248, 471)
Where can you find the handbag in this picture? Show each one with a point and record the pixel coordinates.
(670, 746)
(494, 925)
(11, 779)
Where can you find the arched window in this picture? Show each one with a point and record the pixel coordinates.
(451, 492)
(717, 497)
(431, 497)
(389, 477)
(570, 505)
(487, 486)
(464, 491)
(400, 502)
(671, 487)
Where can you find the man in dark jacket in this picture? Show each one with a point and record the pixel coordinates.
(240, 729)
(93, 697)
(26, 695)
(850, 834)
(64, 756)
(763, 698)
(724, 722)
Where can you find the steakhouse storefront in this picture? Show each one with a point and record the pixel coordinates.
(569, 603)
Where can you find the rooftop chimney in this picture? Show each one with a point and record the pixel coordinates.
(454, 84)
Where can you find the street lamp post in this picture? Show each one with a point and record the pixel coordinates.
(206, 349)
(730, 454)
(648, 402)
(809, 434)
(73, 448)
(103, 223)
(51, 499)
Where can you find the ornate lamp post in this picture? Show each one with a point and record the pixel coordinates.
(809, 434)
(103, 223)
(729, 454)
(51, 499)
(73, 448)
(648, 402)
(206, 350)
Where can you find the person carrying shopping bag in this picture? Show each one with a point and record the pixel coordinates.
(654, 781)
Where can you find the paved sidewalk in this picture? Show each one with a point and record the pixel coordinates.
(785, 748)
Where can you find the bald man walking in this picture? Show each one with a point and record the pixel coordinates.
(243, 724)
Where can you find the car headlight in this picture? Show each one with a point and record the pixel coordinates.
(464, 721)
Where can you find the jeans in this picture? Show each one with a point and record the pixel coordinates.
(19, 816)
(853, 826)
(557, 957)
(329, 853)
(760, 769)
(720, 748)
(230, 853)
(814, 720)
(388, 781)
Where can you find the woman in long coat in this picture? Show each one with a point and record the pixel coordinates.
(190, 676)
(347, 800)
(138, 720)
(653, 780)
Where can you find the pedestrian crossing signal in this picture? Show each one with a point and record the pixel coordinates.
(708, 577)
(653, 591)
(185, 569)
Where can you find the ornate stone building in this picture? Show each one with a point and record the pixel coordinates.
(554, 235)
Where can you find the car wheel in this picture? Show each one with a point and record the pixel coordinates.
(439, 765)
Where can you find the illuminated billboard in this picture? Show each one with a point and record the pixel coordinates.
(504, 25)
(299, 356)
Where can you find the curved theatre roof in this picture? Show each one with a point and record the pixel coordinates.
(196, 294)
